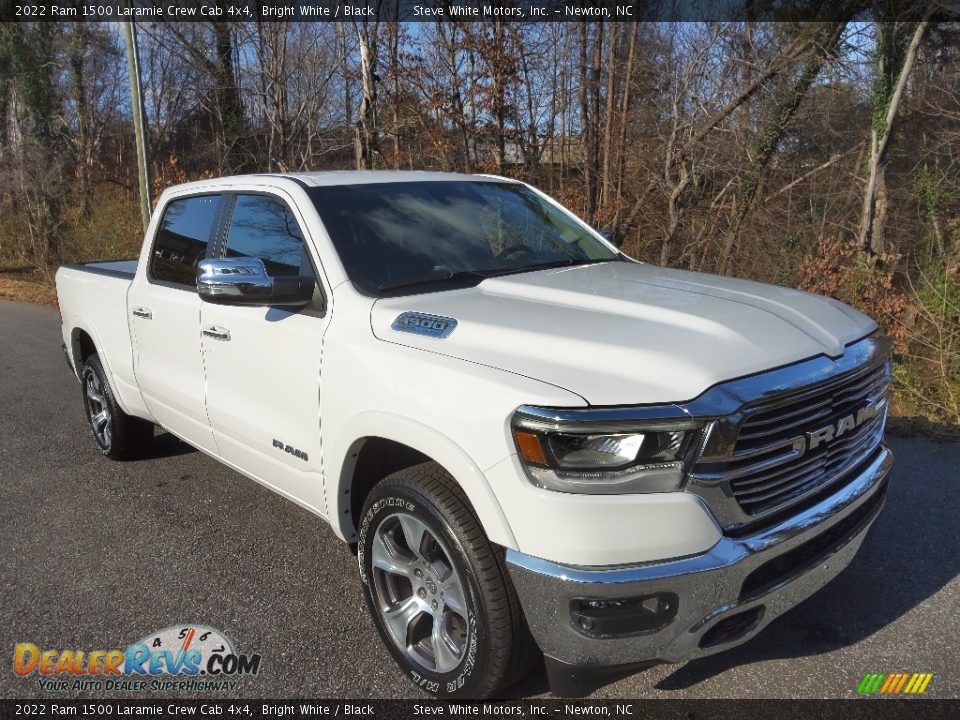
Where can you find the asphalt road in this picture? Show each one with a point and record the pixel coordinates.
(98, 554)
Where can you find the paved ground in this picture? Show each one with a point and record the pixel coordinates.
(97, 554)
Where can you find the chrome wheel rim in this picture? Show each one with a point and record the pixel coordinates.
(97, 410)
(419, 593)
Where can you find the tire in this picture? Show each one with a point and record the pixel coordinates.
(455, 581)
(118, 436)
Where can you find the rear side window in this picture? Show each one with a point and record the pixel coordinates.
(263, 227)
(182, 239)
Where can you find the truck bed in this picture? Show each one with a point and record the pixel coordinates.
(113, 268)
(93, 304)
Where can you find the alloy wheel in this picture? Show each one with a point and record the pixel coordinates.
(98, 411)
(419, 593)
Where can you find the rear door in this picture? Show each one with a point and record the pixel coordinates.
(165, 317)
(263, 363)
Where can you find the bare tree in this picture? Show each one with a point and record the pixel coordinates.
(824, 44)
(367, 130)
(893, 70)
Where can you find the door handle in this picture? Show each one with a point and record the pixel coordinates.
(142, 312)
(217, 333)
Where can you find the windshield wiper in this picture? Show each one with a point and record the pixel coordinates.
(467, 278)
(472, 278)
(568, 262)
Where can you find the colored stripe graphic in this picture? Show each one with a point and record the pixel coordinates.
(923, 679)
(870, 683)
(891, 682)
(894, 683)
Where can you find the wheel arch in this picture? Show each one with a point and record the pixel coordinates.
(82, 346)
(85, 342)
(376, 444)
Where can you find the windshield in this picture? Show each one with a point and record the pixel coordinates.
(407, 237)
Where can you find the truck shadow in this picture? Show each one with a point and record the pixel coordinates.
(166, 445)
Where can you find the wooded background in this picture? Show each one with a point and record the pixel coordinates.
(822, 154)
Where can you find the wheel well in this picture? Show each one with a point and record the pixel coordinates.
(374, 459)
(83, 348)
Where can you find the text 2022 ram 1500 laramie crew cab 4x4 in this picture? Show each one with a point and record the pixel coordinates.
(534, 441)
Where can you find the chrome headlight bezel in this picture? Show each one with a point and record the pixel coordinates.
(536, 431)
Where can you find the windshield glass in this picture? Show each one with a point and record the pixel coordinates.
(407, 237)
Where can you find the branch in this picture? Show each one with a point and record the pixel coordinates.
(810, 173)
(901, 84)
(797, 47)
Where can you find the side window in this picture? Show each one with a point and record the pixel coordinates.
(182, 239)
(263, 227)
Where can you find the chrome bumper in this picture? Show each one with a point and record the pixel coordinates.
(710, 587)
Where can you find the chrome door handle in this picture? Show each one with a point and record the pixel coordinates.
(142, 312)
(217, 333)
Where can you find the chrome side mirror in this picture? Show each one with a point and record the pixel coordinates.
(244, 281)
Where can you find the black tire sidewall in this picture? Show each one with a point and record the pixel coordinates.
(464, 680)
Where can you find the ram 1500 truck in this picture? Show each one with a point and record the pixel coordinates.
(534, 442)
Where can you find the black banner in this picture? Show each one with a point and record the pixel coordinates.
(857, 709)
(460, 10)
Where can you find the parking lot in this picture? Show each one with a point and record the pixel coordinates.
(99, 554)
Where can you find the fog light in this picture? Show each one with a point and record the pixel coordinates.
(604, 618)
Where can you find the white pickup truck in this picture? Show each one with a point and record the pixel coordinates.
(535, 443)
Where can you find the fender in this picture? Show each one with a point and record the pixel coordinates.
(126, 395)
(426, 440)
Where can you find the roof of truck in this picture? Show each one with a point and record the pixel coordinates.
(358, 177)
(332, 177)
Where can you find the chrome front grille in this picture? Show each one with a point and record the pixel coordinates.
(776, 462)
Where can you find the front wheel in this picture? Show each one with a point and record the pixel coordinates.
(438, 590)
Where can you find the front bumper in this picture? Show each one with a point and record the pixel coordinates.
(725, 595)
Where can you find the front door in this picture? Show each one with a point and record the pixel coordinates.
(263, 363)
(165, 316)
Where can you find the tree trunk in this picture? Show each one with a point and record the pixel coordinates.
(586, 122)
(368, 139)
(395, 77)
(605, 192)
(341, 38)
(531, 144)
(133, 67)
(229, 102)
(77, 50)
(499, 94)
(625, 108)
(590, 114)
(595, 75)
(874, 211)
(272, 37)
(459, 111)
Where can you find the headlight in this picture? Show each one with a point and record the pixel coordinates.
(604, 457)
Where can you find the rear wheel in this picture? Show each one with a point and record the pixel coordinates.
(438, 590)
(119, 436)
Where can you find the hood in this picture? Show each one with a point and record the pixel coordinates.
(628, 333)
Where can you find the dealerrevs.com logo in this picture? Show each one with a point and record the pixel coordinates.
(182, 657)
